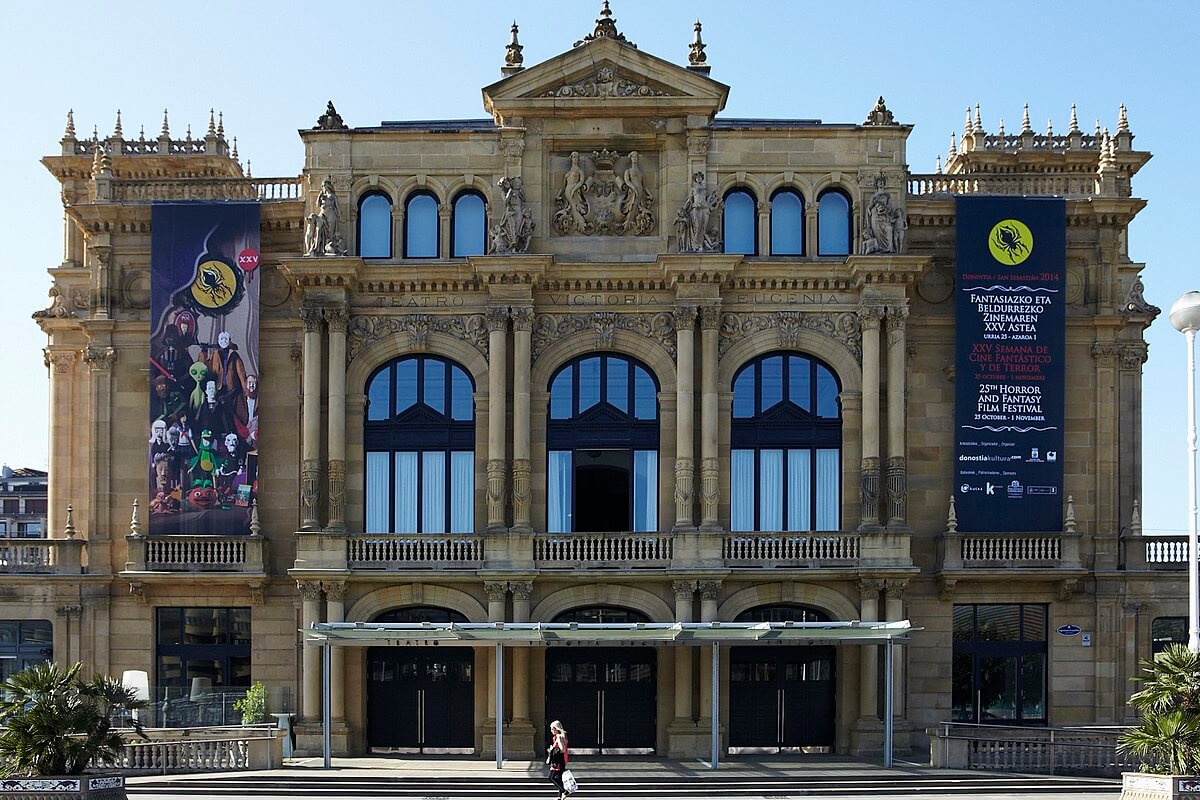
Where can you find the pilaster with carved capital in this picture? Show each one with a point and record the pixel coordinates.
(522, 494)
(309, 590)
(99, 358)
(495, 492)
(870, 317)
(335, 591)
(337, 494)
(683, 590)
(310, 489)
(897, 490)
(685, 324)
(869, 492)
(710, 490)
(685, 480)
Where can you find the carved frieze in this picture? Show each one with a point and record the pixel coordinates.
(659, 327)
(842, 327)
(605, 82)
(366, 329)
(605, 194)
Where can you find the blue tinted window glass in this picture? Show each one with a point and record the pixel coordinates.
(739, 223)
(645, 397)
(560, 395)
(772, 381)
(468, 225)
(461, 401)
(379, 395)
(833, 224)
(434, 390)
(800, 382)
(616, 390)
(827, 394)
(462, 492)
(741, 487)
(433, 492)
(589, 383)
(787, 225)
(421, 227)
(406, 384)
(743, 393)
(645, 490)
(375, 227)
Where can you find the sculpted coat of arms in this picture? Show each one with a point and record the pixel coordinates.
(604, 195)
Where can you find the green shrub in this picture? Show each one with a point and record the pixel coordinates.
(254, 705)
(1168, 737)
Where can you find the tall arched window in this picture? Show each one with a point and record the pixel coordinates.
(784, 612)
(739, 231)
(833, 223)
(375, 225)
(785, 440)
(787, 223)
(419, 438)
(421, 226)
(602, 443)
(600, 615)
(468, 225)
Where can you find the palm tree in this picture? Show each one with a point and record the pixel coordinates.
(1168, 738)
(56, 723)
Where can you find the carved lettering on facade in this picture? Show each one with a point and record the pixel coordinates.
(608, 299)
(421, 301)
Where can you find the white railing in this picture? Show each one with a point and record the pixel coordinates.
(1167, 550)
(980, 547)
(216, 750)
(1067, 185)
(790, 549)
(264, 189)
(196, 552)
(40, 556)
(618, 550)
(414, 551)
(1048, 751)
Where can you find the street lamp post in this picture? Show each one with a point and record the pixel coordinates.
(1185, 317)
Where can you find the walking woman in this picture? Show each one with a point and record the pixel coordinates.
(557, 757)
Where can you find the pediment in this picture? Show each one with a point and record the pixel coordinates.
(609, 74)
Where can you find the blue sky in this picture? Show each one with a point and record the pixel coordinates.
(271, 66)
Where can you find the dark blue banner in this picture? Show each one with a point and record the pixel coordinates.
(1009, 374)
(203, 367)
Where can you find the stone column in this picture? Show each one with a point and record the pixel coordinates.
(810, 228)
(897, 463)
(61, 364)
(337, 317)
(310, 439)
(893, 609)
(708, 613)
(684, 592)
(497, 323)
(868, 680)
(870, 317)
(685, 321)
(710, 466)
(764, 228)
(496, 594)
(851, 457)
(445, 211)
(335, 611)
(520, 671)
(310, 674)
(522, 318)
(1132, 610)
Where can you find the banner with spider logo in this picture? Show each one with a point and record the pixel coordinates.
(1010, 377)
(203, 427)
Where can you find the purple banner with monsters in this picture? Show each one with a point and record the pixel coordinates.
(203, 434)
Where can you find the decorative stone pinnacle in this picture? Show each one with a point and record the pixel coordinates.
(1074, 120)
(697, 56)
(166, 128)
(1097, 133)
(1135, 519)
(234, 153)
(978, 121)
(189, 133)
(1001, 131)
(953, 143)
(968, 125)
(514, 61)
(1123, 120)
(255, 527)
(69, 531)
(606, 28)
(212, 123)
(135, 522)
(1025, 126)
(1069, 524)
(952, 517)
(220, 124)
(142, 133)
(1049, 126)
(117, 131)
(248, 175)
(937, 169)
(95, 133)
(70, 133)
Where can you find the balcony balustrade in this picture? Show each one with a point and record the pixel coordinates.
(41, 556)
(196, 553)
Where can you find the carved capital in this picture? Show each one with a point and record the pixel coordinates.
(1066, 588)
(894, 590)
(685, 317)
(709, 589)
(521, 590)
(1133, 608)
(257, 593)
(1133, 355)
(710, 317)
(335, 590)
(697, 144)
(870, 586)
(683, 590)
(1106, 353)
(312, 316)
(522, 318)
(60, 361)
(309, 590)
(137, 590)
(897, 321)
(496, 318)
(69, 611)
(946, 589)
(99, 358)
(337, 317)
(495, 591)
(870, 316)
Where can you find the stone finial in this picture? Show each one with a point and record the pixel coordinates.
(248, 175)
(234, 153)
(952, 517)
(697, 58)
(135, 520)
(189, 133)
(606, 28)
(937, 165)
(331, 120)
(166, 128)
(1123, 120)
(1097, 132)
(514, 61)
(220, 124)
(1049, 126)
(95, 133)
(1069, 524)
(1135, 519)
(70, 132)
(69, 531)
(953, 143)
(1001, 131)
(212, 124)
(880, 115)
(1108, 156)
(255, 526)
(968, 124)
(1074, 120)
(101, 163)
(141, 133)
(978, 124)
(118, 132)
(1025, 126)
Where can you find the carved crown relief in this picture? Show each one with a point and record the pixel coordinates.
(605, 82)
(605, 194)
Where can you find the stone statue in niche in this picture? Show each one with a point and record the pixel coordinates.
(514, 230)
(602, 201)
(695, 222)
(321, 237)
(885, 226)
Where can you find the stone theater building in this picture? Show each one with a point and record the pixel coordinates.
(602, 355)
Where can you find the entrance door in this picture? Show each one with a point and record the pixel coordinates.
(781, 698)
(604, 697)
(421, 700)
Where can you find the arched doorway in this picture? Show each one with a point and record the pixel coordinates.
(421, 699)
(781, 699)
(604, 696)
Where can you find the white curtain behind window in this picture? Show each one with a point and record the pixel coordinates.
(770, 490)
(741, 484)
(405, 493)
(558, 496)
(829, 495)
(378, 493)
(799, 516)
(462, 492)
(645, 490)
(433, 492)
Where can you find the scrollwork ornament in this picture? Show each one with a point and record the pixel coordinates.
(709, 590)
(366, 329)
(842, 327)
(496, 591)
(659, 327)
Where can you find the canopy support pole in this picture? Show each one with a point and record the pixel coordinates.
(716, 702)
(887, 705)
(326, 668)
(499, 705)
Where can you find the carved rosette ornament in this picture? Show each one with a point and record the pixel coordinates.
(601, 198)
(710, 492)
(657, 327)
(310, 482)
(522, 491)
(897, 489)
(337, 494)
(844, 328)
(364, 330)
(685, 476)
(495, 492)
(869, 490)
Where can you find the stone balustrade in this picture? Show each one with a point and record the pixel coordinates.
(231, 749)
(790, 549)
(196, 553)
(408, 551)
(1045, 751)
(41, 556)
(1010, 550)
(260, 189)
(1064, 184)
(619, 550)
(1155, 552)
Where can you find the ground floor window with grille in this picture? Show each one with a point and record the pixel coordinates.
(203, 665)
(24, 643)
(1000, 669)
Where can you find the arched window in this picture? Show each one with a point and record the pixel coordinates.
(468, 225)
(739, 231)
(419, 438)
(833, 223)
(411, 614)
(375, 225)
(598, 615)
(785, 442)
(787, 223)
(602, 443)
(784, 612)
(421, 226)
